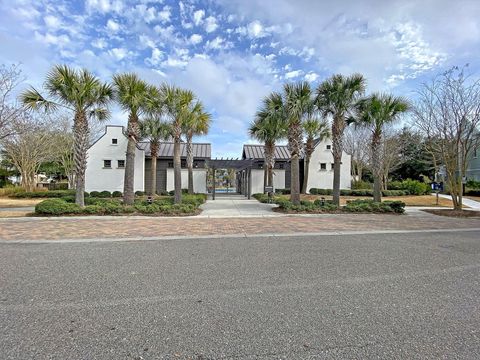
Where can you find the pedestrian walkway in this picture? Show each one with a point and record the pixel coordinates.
(142, 227)
(235, 206)
(472, 204)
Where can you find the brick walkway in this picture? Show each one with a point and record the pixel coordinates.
(135, 227)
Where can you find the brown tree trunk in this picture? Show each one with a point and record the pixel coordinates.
(190, 163)
(129, 177)
(294, 145)
(376, 168)
(269, 162)
(80, 131)
(177, 168)
(306, 170)
(153, 168)
(338, 127)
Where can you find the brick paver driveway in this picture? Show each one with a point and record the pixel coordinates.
(138, 227)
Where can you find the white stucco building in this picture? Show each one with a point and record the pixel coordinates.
(106, 164)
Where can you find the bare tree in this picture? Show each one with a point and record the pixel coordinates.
(28, 146)
(448, 114)
(10, 78)
(391, 152)
(356, 143)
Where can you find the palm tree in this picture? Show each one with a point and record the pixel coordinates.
(178, 106)
(197, 122)
(315, 129)
(269, 126)
(337, 97)
(82, 93)
(133, 95)
(298, 104)
(375, 111)
(155, 130)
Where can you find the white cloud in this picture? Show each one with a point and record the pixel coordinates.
(119, 53)
(48, 38)
(198, 17)
(112, 25)
(215, 44)
(104, 6)
(156, 58)
(165, 14)
(146, 41)
(293, 74)
(195, 39)
(99, 43)
(311, 76)
(256, 30)
(52, 22)
(210, 24)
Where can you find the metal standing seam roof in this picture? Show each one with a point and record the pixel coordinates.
(257, 152)
(200, 150)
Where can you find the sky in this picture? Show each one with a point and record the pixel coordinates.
(232, 53)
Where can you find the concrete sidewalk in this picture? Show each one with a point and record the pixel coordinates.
(236, 206)
(472, 204)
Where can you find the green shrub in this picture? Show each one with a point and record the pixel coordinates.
(413, 187)
(57, 207)
(105, 194)
(44, 194)
(69, 199)
(172, 192)
(472, 192)
(345, 192)
(472, 184)
(139, 193)
(117, 194)
(375, 207)
(394, 192)
(95, 194)
(362, 185)
(315, 191)
(162, 192)
(397, 206)
(196, 199)
(282, 191)
(362, 192)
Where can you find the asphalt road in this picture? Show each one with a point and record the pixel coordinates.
(383, 296)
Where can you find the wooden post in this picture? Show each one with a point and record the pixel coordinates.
(213, 190)
(249, 183)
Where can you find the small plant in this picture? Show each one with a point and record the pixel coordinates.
(117, 194)
(139, 193)
(56, 207)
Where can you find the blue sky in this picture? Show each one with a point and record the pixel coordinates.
(232, 53)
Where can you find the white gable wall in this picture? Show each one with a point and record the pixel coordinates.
(98, 178)
(257, 180)
(199, 180)
(323, 179)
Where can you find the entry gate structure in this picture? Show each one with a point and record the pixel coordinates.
(243, 169)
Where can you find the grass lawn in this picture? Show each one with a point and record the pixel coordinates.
(6, 202)
(419, 200)
(12, 214)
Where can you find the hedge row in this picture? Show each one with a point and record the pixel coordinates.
(99, 206)
(96, 194)
(363, 206)
(360, 192)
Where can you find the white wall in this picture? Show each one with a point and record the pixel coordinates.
(97, 178)
(323, 179)
(199, 180)
(257, 180)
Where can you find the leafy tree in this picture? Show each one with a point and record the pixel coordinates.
(314, 129)
(298, 105)
(374, 112)
(178, 104)
(155, 130)
(86, 97)
(134, 96)
(269, 126)
(336, 97)
(197, 122)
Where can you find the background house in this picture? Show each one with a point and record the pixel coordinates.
(106, 164)
(320, 172)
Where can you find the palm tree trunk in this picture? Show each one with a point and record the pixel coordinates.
(190, 163)
(128, 182)
(153, 168)
(338, 126)
(269, 161)
(376, 168)
(294, 144)
(177, 169)
(305, 173)
(80, 131)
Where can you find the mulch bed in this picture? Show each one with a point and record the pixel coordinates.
(454, 213)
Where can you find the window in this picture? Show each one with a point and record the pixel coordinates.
(333, 165)
(107, 164)
(329, 147)
(323, 166)
(114, 141)
(121, 164)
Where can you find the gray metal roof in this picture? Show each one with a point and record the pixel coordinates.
(257, 152)
(166, 150)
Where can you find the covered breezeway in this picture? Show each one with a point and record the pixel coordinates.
(243, 171)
